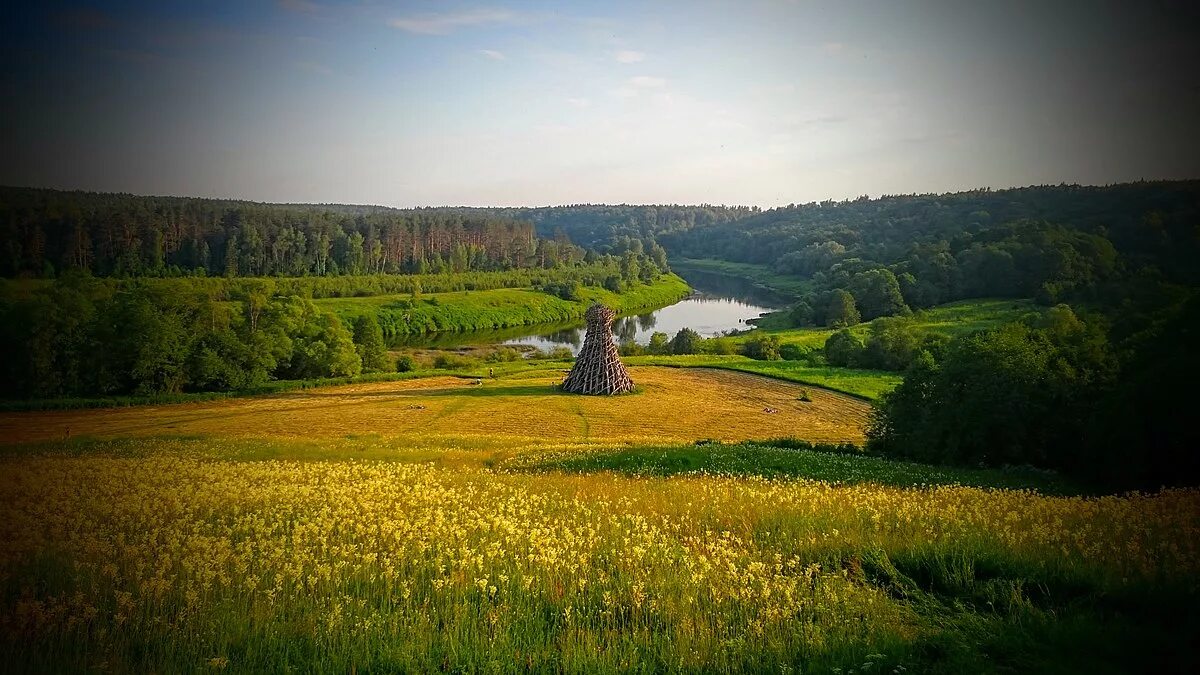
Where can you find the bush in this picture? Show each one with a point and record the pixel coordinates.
(843, 349)
(721, 345)
(792, 352)
(451, 361)
(504, 355)
(567, 290)
(658, 344)
(560, 354)
(630, 348)
(686, 341)
(405, 363)
(762, 348)
(891, 344)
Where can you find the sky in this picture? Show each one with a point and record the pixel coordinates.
(510, 103)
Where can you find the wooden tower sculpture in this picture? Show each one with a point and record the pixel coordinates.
(598, 370)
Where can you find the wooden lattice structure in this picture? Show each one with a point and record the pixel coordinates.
(598, 370)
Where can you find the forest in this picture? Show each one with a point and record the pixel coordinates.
(124, 235)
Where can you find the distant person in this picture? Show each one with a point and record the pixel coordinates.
(492, 373)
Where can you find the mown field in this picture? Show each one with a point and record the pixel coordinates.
(413, 527)
(670, 405)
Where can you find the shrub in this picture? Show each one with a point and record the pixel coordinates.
(560, 354)
(504, 355)
(686, 341)
(567, 290)
(405, 363)
(658, 344)
(762, 348)
(891, 344)
(721, 345)
(630, 348)
(451, 361)
(843, 349)
(792, 352)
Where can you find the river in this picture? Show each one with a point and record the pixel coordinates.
(719, 304)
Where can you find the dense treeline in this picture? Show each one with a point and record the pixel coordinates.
(601, 270)
(1056, 392)
(47, 231)
(609, 228)
(81, 337)
(869, 258)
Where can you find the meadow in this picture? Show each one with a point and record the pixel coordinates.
(670, 404)
(406, 314)
(253, 555)
(760, 275)
(477, 520)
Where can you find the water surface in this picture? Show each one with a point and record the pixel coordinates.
(718, 305)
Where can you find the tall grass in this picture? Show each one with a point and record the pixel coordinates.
(182, 561)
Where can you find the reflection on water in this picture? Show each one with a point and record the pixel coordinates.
(719, 305)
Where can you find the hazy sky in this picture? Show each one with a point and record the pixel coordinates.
(530, 103)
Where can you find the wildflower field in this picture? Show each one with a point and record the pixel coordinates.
(270, 552)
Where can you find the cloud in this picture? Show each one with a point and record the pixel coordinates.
(629, 56)
(833, 48)
(302, 6)
(493, 54)
(624, 92)
(448, 22)
(647, 82)
(579, 102)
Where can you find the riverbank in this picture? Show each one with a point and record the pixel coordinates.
(403, 315)
(761, 276)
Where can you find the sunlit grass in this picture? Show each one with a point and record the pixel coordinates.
(185, 555)
(670, 404)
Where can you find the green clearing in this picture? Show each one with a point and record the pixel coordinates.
(952, 319)
(501, 308)
(760, 275)
(868, 384)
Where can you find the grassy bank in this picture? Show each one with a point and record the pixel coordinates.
(952, 319)
(865, 384)
(760, 275)
(401, 315)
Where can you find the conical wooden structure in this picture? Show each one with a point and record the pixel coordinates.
(598, 370)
